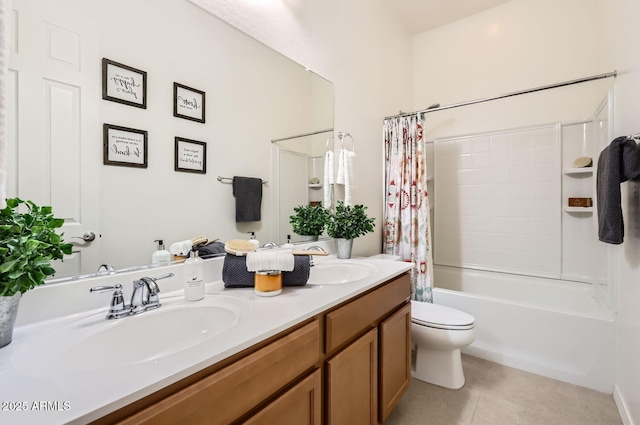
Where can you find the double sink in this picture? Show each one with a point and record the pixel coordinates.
(89, 342)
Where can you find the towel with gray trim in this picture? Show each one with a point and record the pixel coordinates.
(618, 162)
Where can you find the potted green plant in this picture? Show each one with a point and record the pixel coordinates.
(28, 243)
(309, 220)
(347, 223)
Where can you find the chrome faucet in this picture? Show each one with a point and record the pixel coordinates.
(314, 248)
(145, 294)
(144, 297)
(105, 269)
(118, 308)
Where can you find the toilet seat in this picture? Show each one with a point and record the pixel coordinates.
(440, 316)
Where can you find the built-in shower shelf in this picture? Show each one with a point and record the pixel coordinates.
(315, 185)
(585, 210)
(585, 170)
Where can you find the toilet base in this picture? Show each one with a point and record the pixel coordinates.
(439, 367)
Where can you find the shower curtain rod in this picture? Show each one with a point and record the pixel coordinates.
(301, 135)
(502, 96)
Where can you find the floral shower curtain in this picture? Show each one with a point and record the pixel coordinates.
(406, 212)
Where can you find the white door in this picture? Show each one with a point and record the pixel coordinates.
(54, 129)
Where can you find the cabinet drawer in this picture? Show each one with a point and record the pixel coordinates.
(229, 393)
(348, 321)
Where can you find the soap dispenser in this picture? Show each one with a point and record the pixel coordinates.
(288, 244)
(194, 276)
(253, 240)
(161, 255)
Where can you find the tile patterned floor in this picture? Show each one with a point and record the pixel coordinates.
(500, 395)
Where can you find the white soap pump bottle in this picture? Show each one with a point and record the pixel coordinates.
(253, 240)
(161, 255)
(288, 244)
(194, 276)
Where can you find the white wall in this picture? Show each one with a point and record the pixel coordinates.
(519, 45)
(358, 46)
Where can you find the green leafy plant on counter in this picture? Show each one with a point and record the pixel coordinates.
(309, 220)
(28, 244)
(349, 222)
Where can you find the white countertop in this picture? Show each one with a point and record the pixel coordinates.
(45, 393)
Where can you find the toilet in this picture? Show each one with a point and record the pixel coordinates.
(438, 333)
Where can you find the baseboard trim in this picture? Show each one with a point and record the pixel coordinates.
(622, 406)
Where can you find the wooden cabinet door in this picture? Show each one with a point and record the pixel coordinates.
(301, 405)
(352, 383)
(395, 359)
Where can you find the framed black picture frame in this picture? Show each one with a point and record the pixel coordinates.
(190, 156)
(124, 146)
(188, 103)
(124, 84)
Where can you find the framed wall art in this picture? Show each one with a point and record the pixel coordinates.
(124, 84)
(124, 146)
(188, 103)
(190, 156)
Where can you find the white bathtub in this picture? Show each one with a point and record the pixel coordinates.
(553, 328)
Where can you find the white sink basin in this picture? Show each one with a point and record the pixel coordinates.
(93, 343)
(339, 271)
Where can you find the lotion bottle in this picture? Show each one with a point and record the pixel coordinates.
(161, 255)
(193, 276)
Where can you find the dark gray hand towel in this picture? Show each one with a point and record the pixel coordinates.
(248, 193)
(618, 162)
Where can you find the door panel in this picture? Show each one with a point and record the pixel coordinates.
(54, 128)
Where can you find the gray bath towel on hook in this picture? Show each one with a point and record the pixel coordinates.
(618, 162)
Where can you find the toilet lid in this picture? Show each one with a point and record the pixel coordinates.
(440, 316)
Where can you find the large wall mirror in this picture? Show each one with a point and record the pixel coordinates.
(253, 95)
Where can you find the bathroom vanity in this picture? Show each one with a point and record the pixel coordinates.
(324, 353)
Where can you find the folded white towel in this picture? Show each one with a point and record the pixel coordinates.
(270, 259)
(328, 179)
(345, 174)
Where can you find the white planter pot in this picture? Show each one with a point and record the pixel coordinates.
(8, 313)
